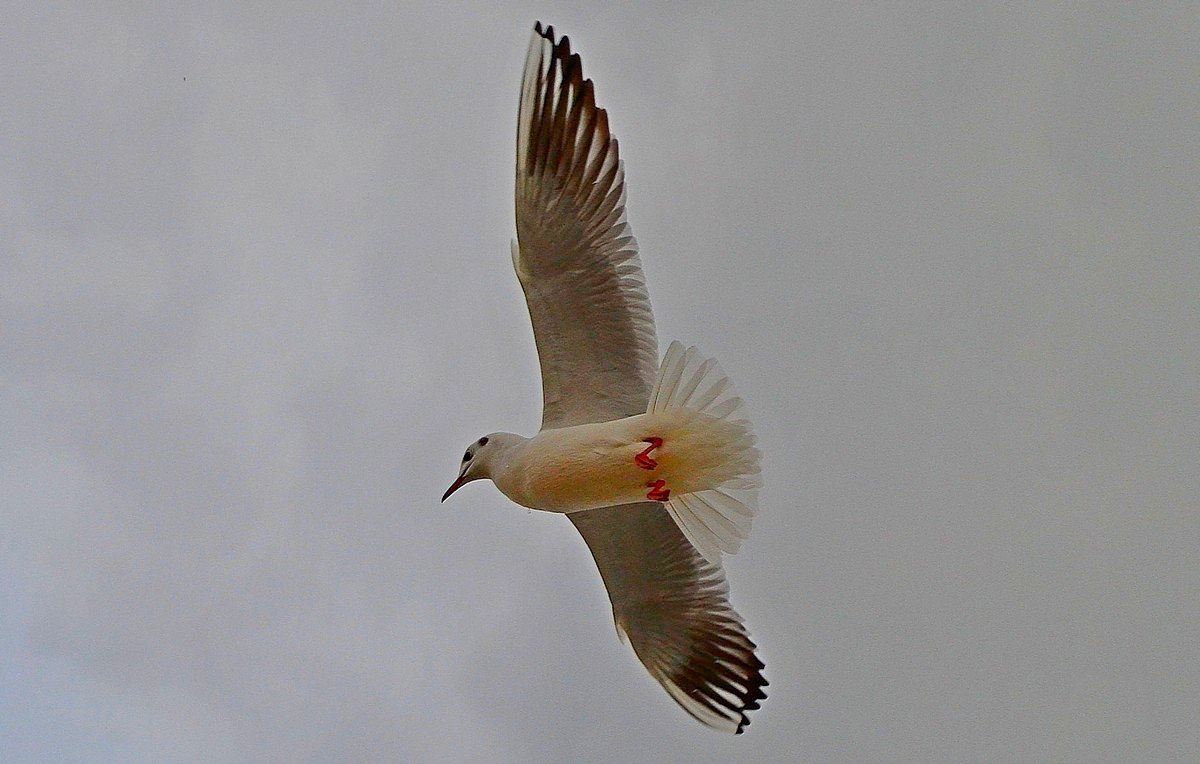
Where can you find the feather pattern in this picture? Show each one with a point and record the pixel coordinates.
(575, 256)
(673, 606)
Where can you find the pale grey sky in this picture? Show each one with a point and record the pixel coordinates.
(250, 318)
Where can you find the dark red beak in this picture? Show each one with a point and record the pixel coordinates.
(462, 479)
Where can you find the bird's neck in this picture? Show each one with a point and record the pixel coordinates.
(504, 454)
(503, 467)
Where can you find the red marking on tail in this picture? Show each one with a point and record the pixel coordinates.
(643, 459)
(658, 490)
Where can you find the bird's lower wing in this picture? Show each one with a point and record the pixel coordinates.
(673, 606)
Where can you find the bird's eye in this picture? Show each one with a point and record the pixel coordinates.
(483, 441)
(467, 456)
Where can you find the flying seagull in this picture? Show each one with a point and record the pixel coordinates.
(654, 463)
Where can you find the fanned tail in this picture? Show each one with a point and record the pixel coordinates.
(718, 519)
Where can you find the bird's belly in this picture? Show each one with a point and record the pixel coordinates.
(592, 465)
(598, 474)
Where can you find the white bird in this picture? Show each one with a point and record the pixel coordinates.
(654, 464)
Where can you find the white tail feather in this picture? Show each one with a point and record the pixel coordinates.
(715, 520)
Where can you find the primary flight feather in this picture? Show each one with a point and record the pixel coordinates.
(654, 463)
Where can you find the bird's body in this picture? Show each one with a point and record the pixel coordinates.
(592, 465)
(654, 464)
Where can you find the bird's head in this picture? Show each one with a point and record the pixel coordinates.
(481, 459)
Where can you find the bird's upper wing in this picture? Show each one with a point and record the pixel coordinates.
(576, 258)
(674, 608)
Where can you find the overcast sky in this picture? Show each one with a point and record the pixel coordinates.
(256, 298)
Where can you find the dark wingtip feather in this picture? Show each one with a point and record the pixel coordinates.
(725, 679)
(547, 32)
